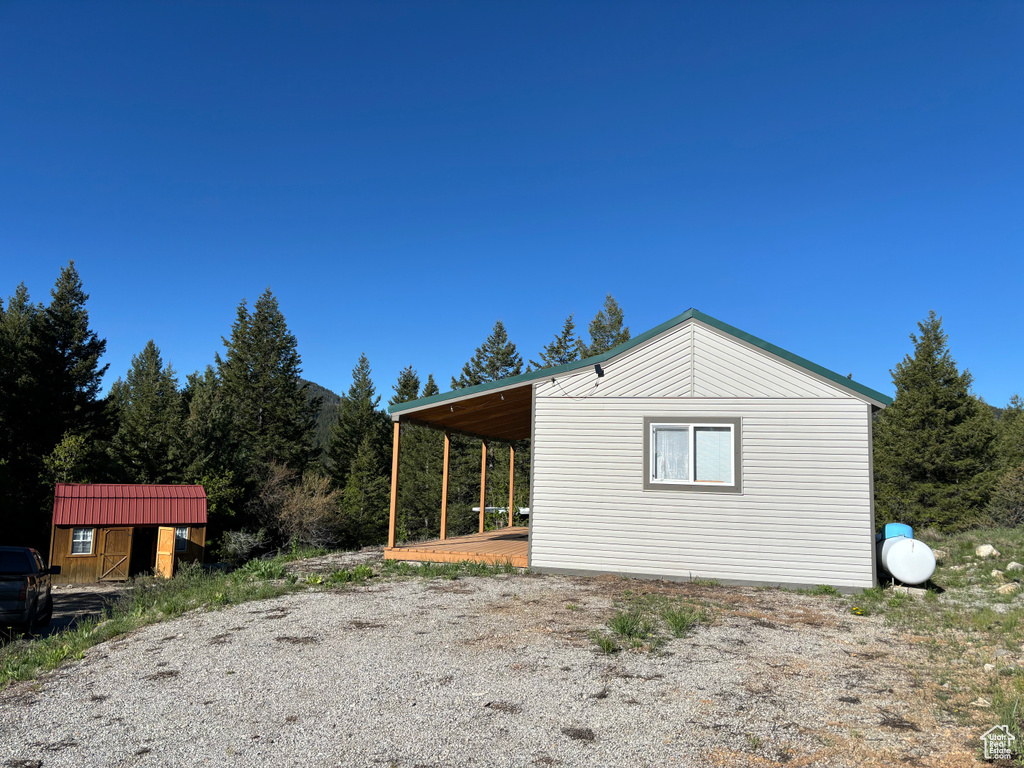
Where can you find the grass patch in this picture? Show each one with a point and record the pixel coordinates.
(685, 619)
(147, 601)
(604, 643)
(964, 624)
(431, 570)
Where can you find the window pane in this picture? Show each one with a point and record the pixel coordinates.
(671, 453)
(180, 539)
(81, 541)
(712, 453)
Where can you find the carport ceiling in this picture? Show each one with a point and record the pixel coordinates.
(503, 414)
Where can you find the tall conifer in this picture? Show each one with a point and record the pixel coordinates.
(565, 348)
(272, 420)
(606, 329)
(359, 419)
(495, 359)
(934, 445)
(147, 445)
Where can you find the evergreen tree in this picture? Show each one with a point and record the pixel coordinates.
(271, 418)
(430, 388)
(495, 359)
(407, 388)
(69, 353)
(49, 382)
(365, 500)
(147, 445)
(1010, 440)
(606, 330)
(359, 419)
(933, 447)
(19, 403)
(564, 349)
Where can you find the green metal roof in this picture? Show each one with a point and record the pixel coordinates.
(690, 314)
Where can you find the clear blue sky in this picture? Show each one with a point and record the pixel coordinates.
(401, 175)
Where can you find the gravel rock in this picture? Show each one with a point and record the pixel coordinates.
(986, 550)
(482, 672)
(1008, 589)
(1015, 566)
(997, 574)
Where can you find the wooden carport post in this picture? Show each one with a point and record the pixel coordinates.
(394, 488)
(511, 479)
(444, 486)
(483, 481)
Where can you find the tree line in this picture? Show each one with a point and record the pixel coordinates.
(280, 466)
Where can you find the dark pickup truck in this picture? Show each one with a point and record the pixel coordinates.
(26, 603)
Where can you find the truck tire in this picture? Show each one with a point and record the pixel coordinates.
(44, 621)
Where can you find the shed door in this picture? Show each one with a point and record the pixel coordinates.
(165, 552)
(117, 548)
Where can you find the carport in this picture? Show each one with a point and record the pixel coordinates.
(501, 411)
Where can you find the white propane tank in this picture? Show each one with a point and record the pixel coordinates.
(907, 560)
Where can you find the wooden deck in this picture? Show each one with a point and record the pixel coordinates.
(505, 545)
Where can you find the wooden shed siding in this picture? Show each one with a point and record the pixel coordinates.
(804, 515)
(85, 569)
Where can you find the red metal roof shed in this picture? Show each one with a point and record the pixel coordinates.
(110, 504)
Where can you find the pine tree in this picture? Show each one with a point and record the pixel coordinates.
(49, 384)
(564, 349)
(19, 371)
(407, 387)
(359, 419)
(271, 418)
(606, 330)
(495, 359)
(933, 447)
(365, 499)
(430, 388)
(69, 353)
(1010, 428)
(147, 445)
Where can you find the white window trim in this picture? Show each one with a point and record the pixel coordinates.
(92, 541)
(692, 454)
(183, 542)
(705, 486)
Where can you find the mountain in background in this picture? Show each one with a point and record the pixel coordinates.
(327, 415)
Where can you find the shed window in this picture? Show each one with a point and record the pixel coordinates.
(691, 454)
(81, 541)
(180, 539)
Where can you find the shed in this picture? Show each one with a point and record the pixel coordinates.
(693, 451)
(108, 532)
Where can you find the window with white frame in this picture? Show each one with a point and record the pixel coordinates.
(180, 538)
(695, 454)
(81, 541)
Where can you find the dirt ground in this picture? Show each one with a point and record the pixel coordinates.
(78, 601)
(776, 679)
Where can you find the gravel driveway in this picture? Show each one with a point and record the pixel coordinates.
(493, 671)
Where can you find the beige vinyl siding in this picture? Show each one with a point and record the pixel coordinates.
(694, 360)
(726, 367)
(659, 368)
(804, 515)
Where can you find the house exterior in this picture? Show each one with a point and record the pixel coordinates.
(695, 450)
(109, 532)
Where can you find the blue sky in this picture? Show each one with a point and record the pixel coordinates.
(401, 175)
